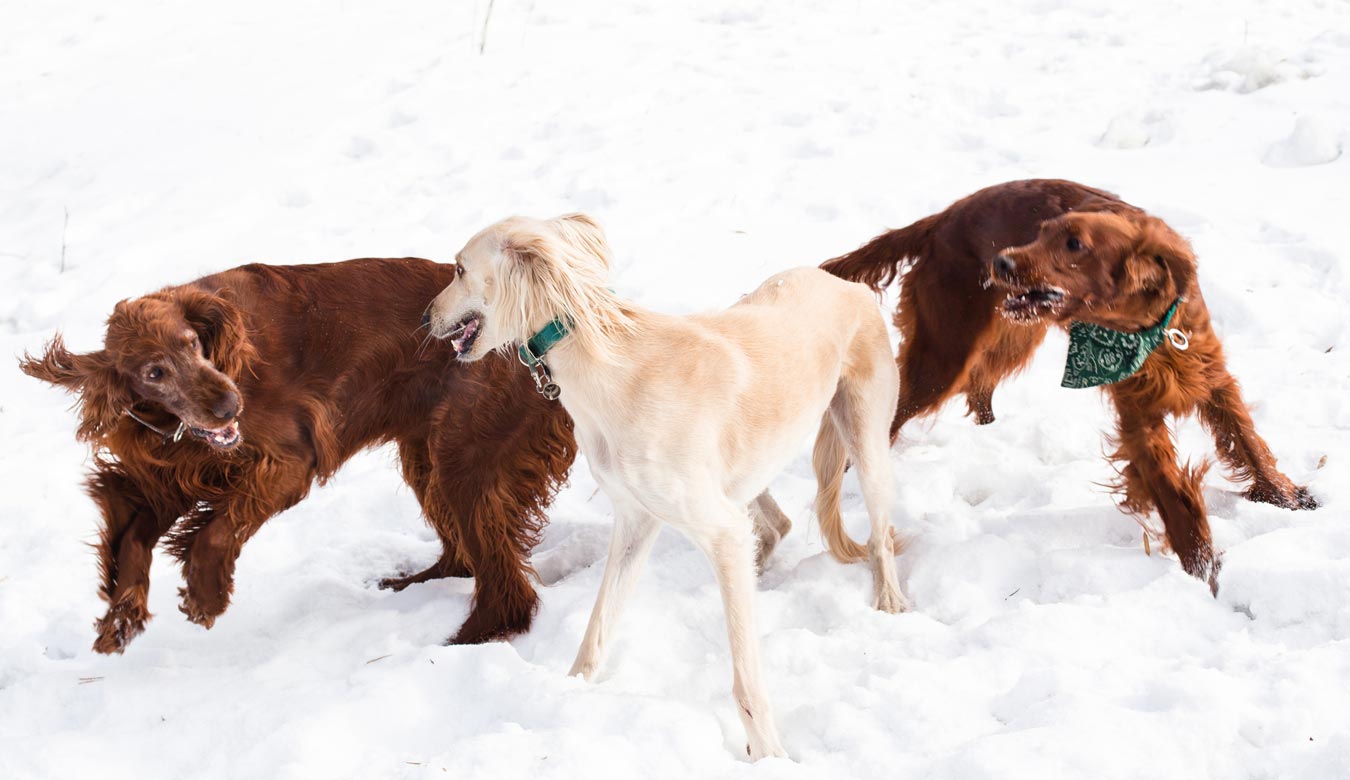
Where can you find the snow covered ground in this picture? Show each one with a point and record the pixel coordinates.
(147, 143)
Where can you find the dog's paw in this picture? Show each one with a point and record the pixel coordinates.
(438, 570)
(585, 668)
(201, 611)
(124, 621)
(1203, 564)
(492, 622)
(1288, 496)
(1214, 575)
(397, 584)
(891, 601)
(1304, 499)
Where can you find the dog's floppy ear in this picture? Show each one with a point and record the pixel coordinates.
(58, 365)
(221, 328)
(1161, 260)
(527, 245)
(585, 234)
(103, 393)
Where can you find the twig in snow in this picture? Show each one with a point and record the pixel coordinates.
(87, 680)
(1014, 593)
(64, 225)
(381, 658)
(482, 42)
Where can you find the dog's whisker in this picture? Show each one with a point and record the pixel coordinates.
(422, 347)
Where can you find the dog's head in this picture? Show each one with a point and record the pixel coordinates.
(516, 276)
(1120, 270)
(172, 354)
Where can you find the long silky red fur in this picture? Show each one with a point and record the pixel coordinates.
(328, 360)
(954, 341)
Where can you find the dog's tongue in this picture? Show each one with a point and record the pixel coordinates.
(470, 328)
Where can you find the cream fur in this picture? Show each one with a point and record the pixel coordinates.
(685, 420)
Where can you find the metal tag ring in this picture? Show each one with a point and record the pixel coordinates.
(1179, 340)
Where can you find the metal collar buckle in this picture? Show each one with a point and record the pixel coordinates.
(543, 380)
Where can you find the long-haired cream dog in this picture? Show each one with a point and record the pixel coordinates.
(685, 420)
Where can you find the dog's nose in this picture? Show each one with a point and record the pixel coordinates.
(1004, 266)
(227, 408)
(426, 318)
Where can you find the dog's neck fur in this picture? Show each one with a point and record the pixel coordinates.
(590, 382)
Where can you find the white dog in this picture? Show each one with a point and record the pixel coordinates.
(685, 420)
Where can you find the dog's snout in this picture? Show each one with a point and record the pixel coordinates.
(227, 407)
(1004, 266)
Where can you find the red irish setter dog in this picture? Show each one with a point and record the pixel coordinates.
(217, 404)
(982, 282)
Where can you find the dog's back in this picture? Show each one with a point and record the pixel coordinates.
(958, 241)
(344, 338)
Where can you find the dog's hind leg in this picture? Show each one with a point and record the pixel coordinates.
(1006, 349)
(131, 528)
(771, 525)
(936, 349)
(730, 548)
(635, 530)
(498, 459)
(1244, 451)
(415, 457)
(859, 413)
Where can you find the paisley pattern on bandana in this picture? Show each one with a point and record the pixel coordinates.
(1101, 356)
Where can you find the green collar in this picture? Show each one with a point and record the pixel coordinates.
(532, 355)
(1102, 356)
(533, 351)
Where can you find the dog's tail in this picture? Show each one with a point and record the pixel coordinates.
(883, 259)
(829, 459)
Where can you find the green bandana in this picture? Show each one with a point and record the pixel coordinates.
(1101, 356)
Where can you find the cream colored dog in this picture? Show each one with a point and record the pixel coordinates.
(685, 420)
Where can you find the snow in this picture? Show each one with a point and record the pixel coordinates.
(147, 143)
(1311, 143)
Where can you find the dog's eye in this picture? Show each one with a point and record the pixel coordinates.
(154, 373)
(459, 270)
(1074, 244)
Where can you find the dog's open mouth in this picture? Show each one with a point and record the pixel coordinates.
(220, 438)
(465, 333)
(1033, 303)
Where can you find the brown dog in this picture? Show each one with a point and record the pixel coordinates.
(216, 404)
(981, 282)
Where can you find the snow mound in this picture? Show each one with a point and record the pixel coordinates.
(1313, 142)
(1249, 68)
(1135, 130)
(1125, 132)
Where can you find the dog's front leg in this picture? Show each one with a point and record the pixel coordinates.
(131, 528)
(731, 550)
(1153, 479)
(210, 548)
(635, 531)
(1245, 452)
